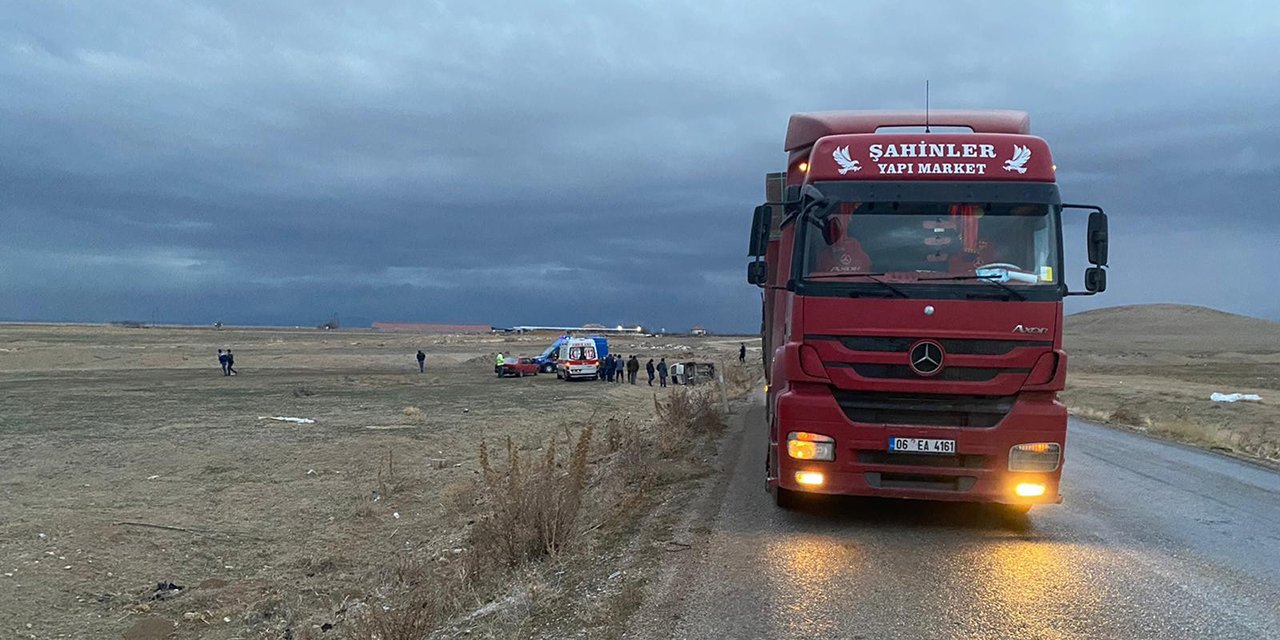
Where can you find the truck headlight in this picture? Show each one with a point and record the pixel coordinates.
(803, 445)
(1035, 456)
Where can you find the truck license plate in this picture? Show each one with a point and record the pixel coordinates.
(922, 445)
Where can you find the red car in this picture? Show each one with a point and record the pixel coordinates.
(519, 367)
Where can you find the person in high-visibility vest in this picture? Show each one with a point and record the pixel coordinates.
(497, 367)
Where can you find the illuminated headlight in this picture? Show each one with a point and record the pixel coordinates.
(803, 445)
(809, 478)
(1035, 456)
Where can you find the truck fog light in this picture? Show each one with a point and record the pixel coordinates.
(1035, 456)
(1029, 489)
(809, 478)
(803, 445)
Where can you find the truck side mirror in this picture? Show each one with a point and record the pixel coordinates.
(760, 223)
(1095, 278)
(758, 273)
(1098, 240)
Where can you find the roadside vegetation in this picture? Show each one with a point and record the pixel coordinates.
(553, 527)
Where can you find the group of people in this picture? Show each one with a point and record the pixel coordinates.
(227, 361)
(616, 369)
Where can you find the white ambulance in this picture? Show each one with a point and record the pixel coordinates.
(578, 359)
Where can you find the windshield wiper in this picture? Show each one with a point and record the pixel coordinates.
(874, 278)
(986, 279)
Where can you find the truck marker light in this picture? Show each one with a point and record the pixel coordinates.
(1025, 489)
(803, 445)
(809, 478)
(803, 167)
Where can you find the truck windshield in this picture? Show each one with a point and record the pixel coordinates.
(961, 244)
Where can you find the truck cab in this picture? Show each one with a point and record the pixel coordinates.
(912, 308)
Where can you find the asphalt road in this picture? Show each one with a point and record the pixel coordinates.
(1153, 540)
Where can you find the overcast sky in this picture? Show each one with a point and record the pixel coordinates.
(558, 162)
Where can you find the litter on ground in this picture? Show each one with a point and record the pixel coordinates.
(288, 419)
(1235, 397)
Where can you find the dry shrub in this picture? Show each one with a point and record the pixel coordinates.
(412, 412)
(425, 596)
(686, 415)
(303, 392)
(1197, 433)
(1091, 414)
(741, 379)
(631, 449)
(1125, 414)
(531, 506)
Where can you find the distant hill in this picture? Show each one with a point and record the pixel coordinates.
(1166, 319)
(1173, 326)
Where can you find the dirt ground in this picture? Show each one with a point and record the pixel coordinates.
(130, 463)
(1153, 368)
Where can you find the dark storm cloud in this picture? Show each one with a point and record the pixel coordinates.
(574, 162)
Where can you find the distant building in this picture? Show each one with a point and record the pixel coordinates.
(698, 330)
(587, 328)
(426, 327)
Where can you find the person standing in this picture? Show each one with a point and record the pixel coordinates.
(497, 364)
(422, 361)
(662, 372)
(742, 353)
(607, 368)
(648, 368)
(633, 368)
(222, 361)
(231, 363)
(620, 369)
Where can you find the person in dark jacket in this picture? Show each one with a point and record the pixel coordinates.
(422, 361)
(231, 363)
(662, 372)
(222, 360)
(742, 353)
(608, 368)
(648, 368)
(633, 367)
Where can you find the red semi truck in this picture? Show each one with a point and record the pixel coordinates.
(912, 288)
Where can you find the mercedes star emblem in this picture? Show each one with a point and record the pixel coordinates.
(926, 358)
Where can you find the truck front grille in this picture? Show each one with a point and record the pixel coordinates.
(929, 410)
(927, 482)
(955, 346)
(922, 460)
(948, 374)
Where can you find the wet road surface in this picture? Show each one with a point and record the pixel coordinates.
(1153, 540)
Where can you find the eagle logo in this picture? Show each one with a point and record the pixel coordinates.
(847, 164)
(1019, 160)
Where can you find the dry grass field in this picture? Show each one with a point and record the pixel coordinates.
(1153, 368)
(130, 463)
